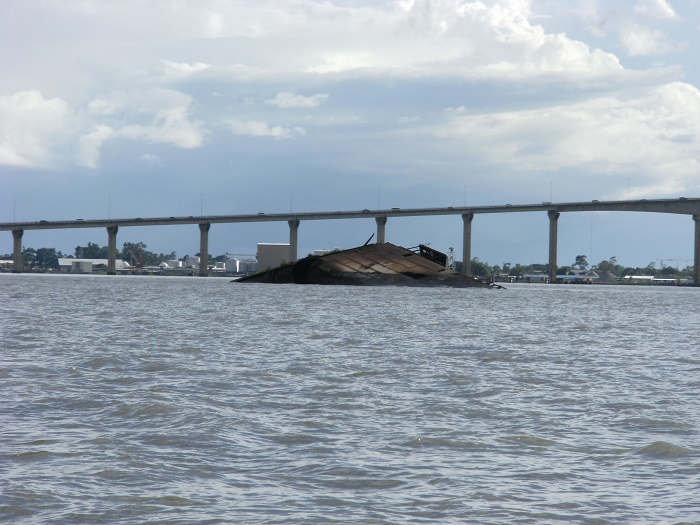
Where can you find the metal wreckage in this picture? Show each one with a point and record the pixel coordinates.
(382, 264)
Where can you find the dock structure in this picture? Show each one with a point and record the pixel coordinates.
(680, 206)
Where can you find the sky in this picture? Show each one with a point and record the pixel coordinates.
(155, 108)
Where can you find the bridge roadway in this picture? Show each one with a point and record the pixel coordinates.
(682, 206)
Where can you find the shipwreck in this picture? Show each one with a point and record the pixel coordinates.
(382, 264)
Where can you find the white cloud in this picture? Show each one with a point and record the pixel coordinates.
(441, 37)
(655, 9)
(257, 128)
(182, 69)
(408, 120)
(36, 131)
(412, 37)
(239, 49)
(89, 146)
(173, 129)
(221, 46)
(636, 37)
(642, 41)
(343, 61)
(151, 159)
(655, 134)
(157, 115)
(31, 127)
(286, 99)
(104, 107)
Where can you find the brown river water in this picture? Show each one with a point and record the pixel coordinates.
(163, 400)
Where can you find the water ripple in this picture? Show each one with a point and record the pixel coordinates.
(203, 402)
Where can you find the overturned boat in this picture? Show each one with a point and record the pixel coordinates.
(382, 264)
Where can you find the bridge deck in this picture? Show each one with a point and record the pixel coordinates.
(678, 206)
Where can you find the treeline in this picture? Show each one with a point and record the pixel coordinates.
(136, 254)
(482, 269)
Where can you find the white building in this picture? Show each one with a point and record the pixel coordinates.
(271, 255)
(236, 266)
(66, 265)
(192, 261)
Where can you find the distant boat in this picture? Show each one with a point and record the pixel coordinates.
(371, 265)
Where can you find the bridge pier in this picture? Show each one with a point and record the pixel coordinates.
(204, 249)
(696, 269)
(553, 228)
(112, 250)
(467, 244)
(293, 240)
(381, 229)
(17, 259)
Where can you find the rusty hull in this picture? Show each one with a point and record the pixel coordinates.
(371, 265)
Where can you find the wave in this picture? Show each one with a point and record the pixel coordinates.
(664, 450)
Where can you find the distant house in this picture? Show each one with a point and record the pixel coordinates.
(87, 265)
(668, 280)
(578, 276)
(537, 277)
(638, 279)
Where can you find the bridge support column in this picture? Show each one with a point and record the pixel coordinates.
(112, 250)
(553, 228)
(293, 240)
(381, 229)
(696, 269)
(204, 249)
(17, 259)
(467, 244)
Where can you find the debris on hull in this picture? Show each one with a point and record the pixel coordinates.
(370, 265)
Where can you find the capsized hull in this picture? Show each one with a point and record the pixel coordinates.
(371, 265)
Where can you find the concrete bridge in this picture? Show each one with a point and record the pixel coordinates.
(680, 206)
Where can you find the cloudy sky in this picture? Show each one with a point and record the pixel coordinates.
(143, 108)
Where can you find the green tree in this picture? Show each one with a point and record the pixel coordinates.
(608, 266)
(517, 271)
(480, 269)
(630, 271)
(47, 258)
(669, 270)
(538, 267)
(581, 263)
(152, 259)
(651, 269)
(91, 251)
(29, 257)
(137, 255)
(134, 253)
